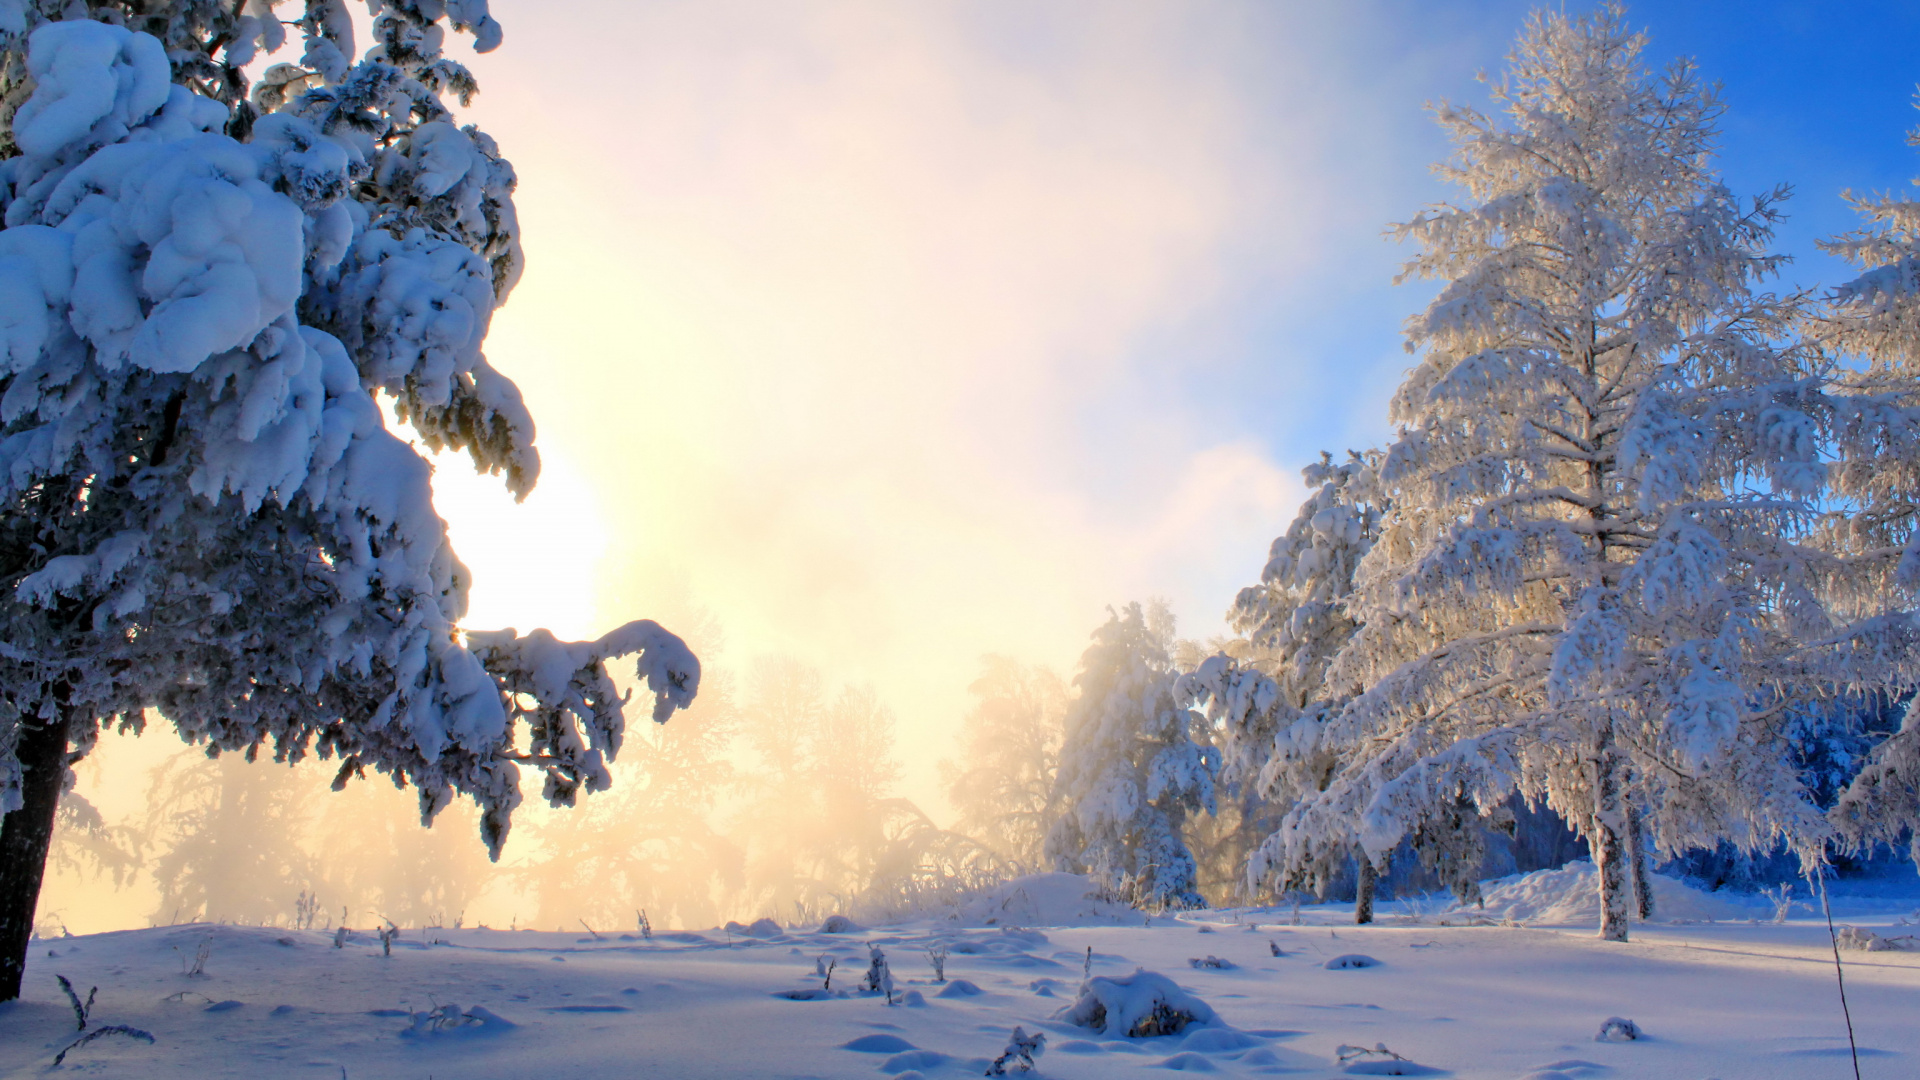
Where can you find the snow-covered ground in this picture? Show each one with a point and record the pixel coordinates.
(1736, 1000)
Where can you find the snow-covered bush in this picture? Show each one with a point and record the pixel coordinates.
(1022, 1051)
(1138, 1006)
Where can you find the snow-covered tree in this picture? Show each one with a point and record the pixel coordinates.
(1876, 318)
(1271, 705)
(1131, 769)
(1601, 579)
(201, 291)
(1010, 749)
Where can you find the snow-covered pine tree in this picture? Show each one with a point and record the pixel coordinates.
(1597, 584)
(1271, 704)
(1130, 768)
(201, 291)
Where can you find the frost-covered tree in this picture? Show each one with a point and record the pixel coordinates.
(1601, 581)
(1131, 769)
(1010, 750)
(202, 289)
(1876, 318)
(1272, 705)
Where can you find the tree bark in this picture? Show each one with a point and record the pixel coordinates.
(1637, 850)
(1605, 838)
(25, 835)
(1364, 881)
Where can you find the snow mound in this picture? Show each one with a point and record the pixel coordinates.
(1043, 900)
(1138, 1006)
(1350, 962)
(1571, 895)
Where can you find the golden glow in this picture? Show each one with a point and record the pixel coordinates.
(833, 319)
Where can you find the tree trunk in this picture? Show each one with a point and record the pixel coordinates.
(1637, 851)
(1605, 838)
(1364, 881)
(25, 835)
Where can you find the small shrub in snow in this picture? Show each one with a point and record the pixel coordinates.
(198, 965)
(1213, 962)
(879, 976)
(1377, 1052)
(646, 927)
(1138, 1006)
(937, 955)
(450, 1017)
(1274, 947)
(1853, 937)
(340, 936)
(1781, 896)
(1020, 1053)
(1619, 1029)
(1351, 962)
(1378, 1061)
(387, 934)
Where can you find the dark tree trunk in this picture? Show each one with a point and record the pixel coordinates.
(1364, 881)
(25, 835)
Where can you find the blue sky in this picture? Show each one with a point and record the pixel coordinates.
(1815, 99)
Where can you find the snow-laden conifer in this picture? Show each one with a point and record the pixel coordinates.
(1875, 318)
(201, 291)
(1270, 700)
(1599, 581)
(1130, 768)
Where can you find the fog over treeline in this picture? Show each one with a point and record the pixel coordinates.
(776, 795)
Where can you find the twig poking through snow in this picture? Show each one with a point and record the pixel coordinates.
(199, 964)
(1838, 976)
(1378, 1052)
(101, 1033)
(80, 1012)
(938, 956)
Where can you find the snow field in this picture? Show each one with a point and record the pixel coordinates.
(1729, 1000)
